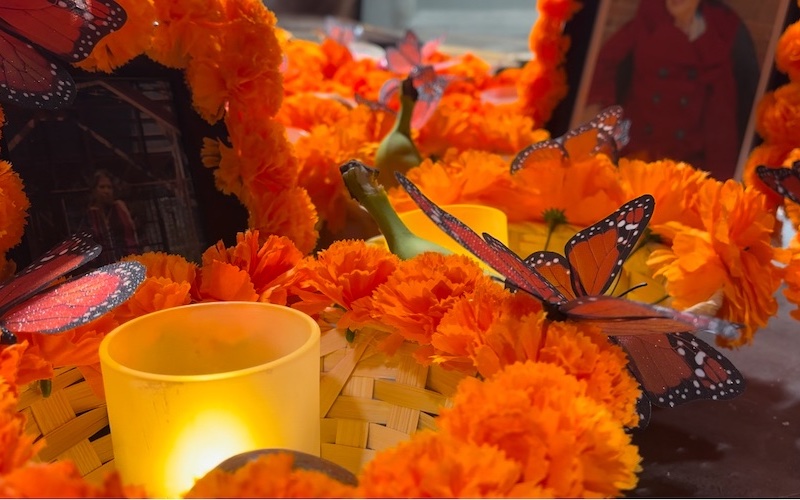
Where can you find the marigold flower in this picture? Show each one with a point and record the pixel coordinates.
(258, 271)
(462, 122)
(75, 347)
(154, 294)
(787, 52)
(22, 359)
(674, 185)
(320, 154)
(289, 213)
(163, 265)
(168, 283)
(436, 465)
(345, 272)
(184, 27)
(61, 479)
(13, 207)
(586, 354)
(412, 301)
(470, 176)
(586, 190)
(491, 328)
(792, 280)
(116, 49)
(543, 80)
(732, 253)
(305, 111)
(539, 416)
(269, 476)
(16, 448)
(778, 115)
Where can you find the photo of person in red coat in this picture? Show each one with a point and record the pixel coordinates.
(686, 73)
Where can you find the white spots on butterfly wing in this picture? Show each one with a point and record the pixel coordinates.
(700, 358)
(699, 372)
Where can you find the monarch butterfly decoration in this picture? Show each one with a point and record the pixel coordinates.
(30, 303)
(407, 58)
(38, 36)
(672, 366)
(784, 181)
(606, 133)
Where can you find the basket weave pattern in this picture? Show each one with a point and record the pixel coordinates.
(368, 401)
(71, 421)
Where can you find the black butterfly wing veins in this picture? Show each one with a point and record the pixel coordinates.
(488, 249)
(554, 269)
(406, 55)
(547, 151)
(782, 180)
(77, 301)
(606, 133)
(65, 257)
(597, 253)
(28, 78)
(68, 29)
(678, 368)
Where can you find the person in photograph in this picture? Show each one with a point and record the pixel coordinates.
(685, 72)
(109, 220)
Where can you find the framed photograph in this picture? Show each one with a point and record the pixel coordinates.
(123, 163)
(688, 73)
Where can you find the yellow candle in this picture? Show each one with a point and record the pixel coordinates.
(480, 218)
(190, 386)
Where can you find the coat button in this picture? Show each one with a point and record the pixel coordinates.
(691, 73)
(680, 134)
(663, 72)
(656, 98)
(684, 101)
(648, 128)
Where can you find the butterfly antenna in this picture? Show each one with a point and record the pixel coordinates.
(631, 289)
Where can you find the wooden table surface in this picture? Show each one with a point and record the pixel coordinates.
(745, 447)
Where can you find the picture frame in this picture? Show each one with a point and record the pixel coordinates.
(138, 129)
(687, 124)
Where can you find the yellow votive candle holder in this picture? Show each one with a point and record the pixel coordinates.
(191, 386)
(480, 218)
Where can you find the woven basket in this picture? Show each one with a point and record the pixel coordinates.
(370, 401)
(72, 420)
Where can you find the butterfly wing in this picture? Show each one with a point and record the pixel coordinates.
(677, 368)
(596, 254)
(56, 262)
(342, 31)
(784, 181)
(430, 89)
(605, 133)
(388, 90)
(77, 301)
(550, 150)
(553, 268)
(491, 251)
(68, 28)
(27, 78)
(616, 316)
(406, 55)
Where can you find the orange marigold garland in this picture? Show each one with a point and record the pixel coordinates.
(576, 449)
(543, 81)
